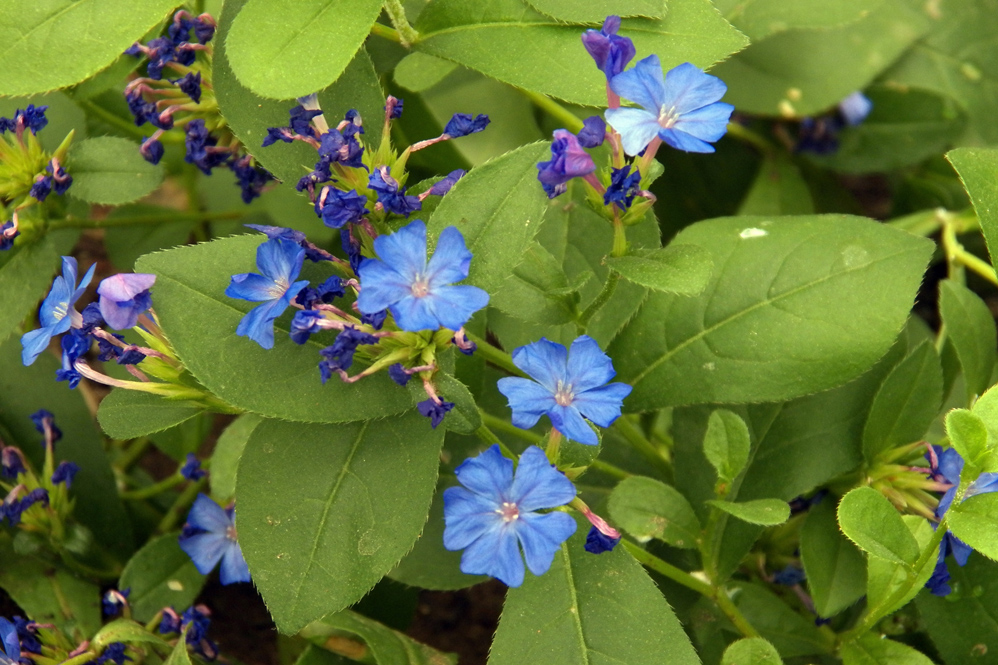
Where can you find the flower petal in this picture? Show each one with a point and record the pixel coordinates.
(636, 127)
(643, 84)
(528, 399)
(588, 366)
(568, 421)
(542, 536)
(125, 286)
(205, 549)
(8, 637)
(280, 259)
(414, 314)
(451, 259)
(489, 474)
(709, 123)
(545, 361)
(454, 305)
(381, 286)
(496, 554)
(602, 405)
(687, 88)
(682, 141)
(34, 342)
(56, 305)
(208, 515)
(538, 485)
(467, 517)
(258, 324)
(251, 286)
(234, 568)
(404, 250)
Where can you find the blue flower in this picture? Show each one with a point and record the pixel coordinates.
(462, 124)
(435, 410)
(123, 297)
(593, 132)
(610, 51)
(337, 207)
(375, 320)
(568, 160)
(946, 465)
(598, 542)
(14, 508)
(10, 645)
(64, 473)
(301, 120)
(209, 537)
(855, 108)
(74, 344)
(351, 247)
(623, 187)
(140, 108)
(56, 311)
(190, 85)
(32, 118)
(160, 51)
(343, 148)
(390, 194)
(280, 262)
(420, 295)
(60, 179)
(567, 386)
(191, 470)
(493, 515)
(201, 150)
(338, 357)
(681, 109)
(113, 653)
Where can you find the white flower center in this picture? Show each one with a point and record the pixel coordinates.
(230, 533)
(421, 286)
(564, 395)
(509, 511)
(667, 117)
(279, 288)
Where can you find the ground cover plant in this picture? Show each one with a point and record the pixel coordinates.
(655, 331)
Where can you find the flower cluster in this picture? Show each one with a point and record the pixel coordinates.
(388, 294)
(196, 620)
(28, 174)
(188, 102)
(680, 108)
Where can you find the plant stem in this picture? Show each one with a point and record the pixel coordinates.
(610, 469)
(396, 12)
(627, 429)
(385, 32)
(488, 436)
(134, 220)
(511, 429)
(132, 454)
(186, 498)
(602, 298)
(554, 109)
(121, 123)
(978, 265)
(154, 489)
(497, 357)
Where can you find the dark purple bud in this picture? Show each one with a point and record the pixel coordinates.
(434, 410)
(151, 151)
(391, 195)
(339, 356)
(64, 473)
(301, 120)
(789, 576)
(623, 187)
(611, 52)
(568, 160)
(191, 470)
(598, 542)
(444, 185)
(593, 132)
(275, 134)
(7, 234)
(190, 85)
(393, 108)
(42, 187)
(11, 463)
(398, 374)
(462, 124)
(304, 325)
(45, 424)
(338, 207)
(375, 320)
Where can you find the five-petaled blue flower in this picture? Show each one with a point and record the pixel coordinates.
(280, 262)
(568, 386)
(209, 537)
(492, 516)
(123, 297)
(56, 311)
(421, 295)
(946, 466)
(682, 108)
(10, 645)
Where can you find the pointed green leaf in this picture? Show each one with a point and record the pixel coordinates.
(977, 168)
(764, 512)
(326, 510)
(382, 644)
(571, 614)
(594, 11)
(111, 171)
(957, 622)
(751, 651)
(791, 633)
(836, 570)
(885, 577)
(179, 655)
(968, 434)
(727, 444)
(873, 649)
(160, 575)
(975, 522)
(228, 451)
(868, 519)
(761, 18)
(971, 328)
(647, 508)
(779, 189)
(26, 271)
(682, 269)
(772, 280)
(127, 631)
(290, 48)
(127, 414)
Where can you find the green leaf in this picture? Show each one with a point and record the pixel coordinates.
(26, 271)
(570, 11)
(977, 168)
(905, 127)
(538, 290)
(906, 404)
(283, 382)
(727, 444)
(361, 495)
(836, 570)
(986, 408)
(290, 48)
(125, 244)
(805, 71)
(872, 649)
(761, 18)
(250, 115)
(751, 651)
(160, 575)
(868, 519)
(228, 451)
(465, 417)
(681, 269)
(498, 208)
(779, 189)
(49, 594)
(127, 631)
(970, 326)
(379, 642)
(692, 31)
(647, 508)
(956, 59)
(128, 414)
(771, 282)
(429, 565)
(968, 434)
(975, 522)
(788, 631)
(571, 615)
(765, 512)
(419, 71)
(110, 171)
(313, 655)
(25, 390)
(58, 43)
(885, 577)
(959, 622)
(179, 655)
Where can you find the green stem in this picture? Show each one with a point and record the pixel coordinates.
(186, 498)
(123, 124)
(81, 658)
(978, 265)
(602, 298)
(511, 429)
(748, 136)
(497, 357)
(734, 615)
(396, 12)
(488, 436)
(385, 32)
(132, 454)
(610, 469)
(634, 436)
(134, 220)
(923, 223)
(154, 489)
(572, 122)
(89, 571)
